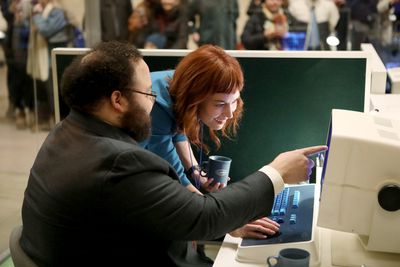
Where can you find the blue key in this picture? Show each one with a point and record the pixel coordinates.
(296, 199)
(293, 219)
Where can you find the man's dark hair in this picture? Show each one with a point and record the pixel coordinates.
(95, 75)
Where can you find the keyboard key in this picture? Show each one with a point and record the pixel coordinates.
(282, 211)
(293, 219)
(296, 199)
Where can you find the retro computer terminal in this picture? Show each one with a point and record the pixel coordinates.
(360, 185)
(357, 194)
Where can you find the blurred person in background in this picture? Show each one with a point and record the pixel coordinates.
(319, 18)
(254, 5)
(139, 26)
(159, 24)
(3, 30)
(364, 22)
(342, 27)
(6, 45)
(174, 23)
(389, 14)
(48, 30)
(266, 27)
(22, 84)
(143, 22)
(114, 16)
(214, 22)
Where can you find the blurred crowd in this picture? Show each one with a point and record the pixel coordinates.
(33, 27)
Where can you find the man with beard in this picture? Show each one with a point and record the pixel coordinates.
(96, 198)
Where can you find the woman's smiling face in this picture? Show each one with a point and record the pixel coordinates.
(216, 110)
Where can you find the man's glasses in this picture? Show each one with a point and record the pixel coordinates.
(152, 94)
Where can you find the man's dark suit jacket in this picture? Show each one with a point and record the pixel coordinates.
(95, 198)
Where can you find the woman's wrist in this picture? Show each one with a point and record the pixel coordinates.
(189, 172)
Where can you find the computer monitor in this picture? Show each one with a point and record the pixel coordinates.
(361, 180)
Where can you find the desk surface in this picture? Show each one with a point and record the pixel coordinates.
(227, 253)
(347, 243)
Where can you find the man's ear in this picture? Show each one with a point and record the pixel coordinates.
(118, 101)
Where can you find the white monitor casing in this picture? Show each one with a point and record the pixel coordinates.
(364, 157)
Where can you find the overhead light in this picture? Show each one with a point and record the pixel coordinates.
(332, 40)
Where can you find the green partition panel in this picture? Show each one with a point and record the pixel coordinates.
(288, 103)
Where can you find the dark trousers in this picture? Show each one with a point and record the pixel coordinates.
(20, 86)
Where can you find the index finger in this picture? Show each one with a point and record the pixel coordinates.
(309, 151)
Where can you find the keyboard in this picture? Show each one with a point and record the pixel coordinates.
(293, 209)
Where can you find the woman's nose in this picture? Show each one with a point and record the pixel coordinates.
(228, 111)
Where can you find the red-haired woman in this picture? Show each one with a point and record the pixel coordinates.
(204, 90)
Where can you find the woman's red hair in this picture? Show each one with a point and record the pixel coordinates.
(202, 73)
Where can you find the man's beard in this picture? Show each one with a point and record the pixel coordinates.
(136, 122)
